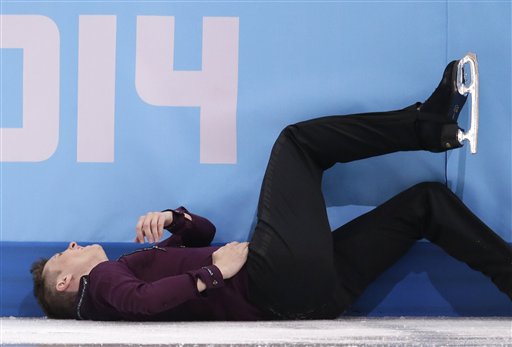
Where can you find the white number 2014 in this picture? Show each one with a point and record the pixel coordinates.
(213, 88)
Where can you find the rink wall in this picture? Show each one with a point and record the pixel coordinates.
(425, 282)
(113, 109)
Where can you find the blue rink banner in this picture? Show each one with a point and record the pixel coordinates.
(113, 109)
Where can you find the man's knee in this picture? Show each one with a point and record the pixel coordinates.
(430, 187)
(292, 136)
(289, 132)
(431, 192)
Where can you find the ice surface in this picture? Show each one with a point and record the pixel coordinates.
(346, 331)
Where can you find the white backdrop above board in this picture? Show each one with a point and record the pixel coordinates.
(113, 109)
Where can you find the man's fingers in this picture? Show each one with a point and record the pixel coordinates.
(138, 231)
(154, 226)
(161, 223)
(237, 246)
(146, 227)
(150, 227)
(242, 245)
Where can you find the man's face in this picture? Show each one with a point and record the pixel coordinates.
(75, 260)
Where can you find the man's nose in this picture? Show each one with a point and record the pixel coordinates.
(72, 245)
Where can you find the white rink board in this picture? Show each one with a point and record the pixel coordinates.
(346, 331)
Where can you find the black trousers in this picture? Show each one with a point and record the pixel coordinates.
(299, 269)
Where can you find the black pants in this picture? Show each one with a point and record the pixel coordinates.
(299, 269)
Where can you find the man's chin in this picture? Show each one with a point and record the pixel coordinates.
(99, 250)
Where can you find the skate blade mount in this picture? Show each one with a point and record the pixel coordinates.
(464, 87)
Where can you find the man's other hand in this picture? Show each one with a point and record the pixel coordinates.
(151, 226)
(230, 258)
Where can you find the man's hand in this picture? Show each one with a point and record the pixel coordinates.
(151, 226)
(230, 258)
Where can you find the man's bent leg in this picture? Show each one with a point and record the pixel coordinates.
(291, 253)
(368, 245)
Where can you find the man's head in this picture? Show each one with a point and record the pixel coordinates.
(56, 280)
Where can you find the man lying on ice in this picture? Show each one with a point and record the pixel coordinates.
(294, 267)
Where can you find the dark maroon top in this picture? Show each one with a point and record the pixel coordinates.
(159, 282)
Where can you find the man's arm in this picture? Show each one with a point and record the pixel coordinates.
(188, 229)
(114, 284)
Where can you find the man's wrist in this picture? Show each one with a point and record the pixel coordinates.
(169, 218)
(200, 285)
(211, 276)
(178, 218)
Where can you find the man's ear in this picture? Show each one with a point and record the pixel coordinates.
(63, 282)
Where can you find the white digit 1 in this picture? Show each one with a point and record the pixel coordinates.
(214, 88)
(39, 38)
(96, 88)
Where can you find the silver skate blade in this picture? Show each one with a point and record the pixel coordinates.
(465, 86)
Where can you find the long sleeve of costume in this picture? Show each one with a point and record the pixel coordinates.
(198, 232)
(130, 295)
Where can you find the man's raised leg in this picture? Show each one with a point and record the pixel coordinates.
(290, 261)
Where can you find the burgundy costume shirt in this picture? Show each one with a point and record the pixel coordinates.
(160, 282)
